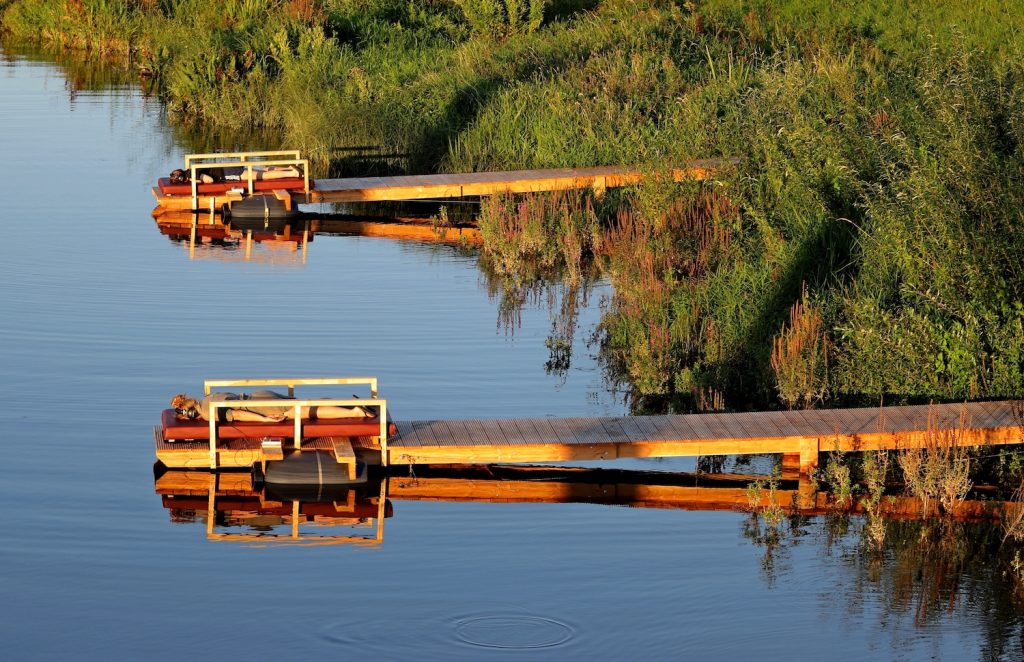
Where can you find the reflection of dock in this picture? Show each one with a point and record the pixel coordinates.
(649, 489)
(408, 229)
(293, 236)
(233, 501)
(801, 435)
(289, 238)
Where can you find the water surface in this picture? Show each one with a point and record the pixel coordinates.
(104, 319)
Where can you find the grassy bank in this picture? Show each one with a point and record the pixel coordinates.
(867, 246)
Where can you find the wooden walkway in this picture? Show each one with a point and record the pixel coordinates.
(803, 433)
(420, 187)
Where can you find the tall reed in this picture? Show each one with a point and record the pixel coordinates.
(938, 471)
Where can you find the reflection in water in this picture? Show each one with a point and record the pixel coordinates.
(284, 242)
(208, 236)
(212, 236)
(927, 574)
(236, 500)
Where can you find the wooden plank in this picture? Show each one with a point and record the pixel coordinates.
(538, 430)
(989, 415)
(563, 431)
(345, 454)
(773, 422)
(439, 433)
(547, 430)
(681, 427)
(458, 433)
(589, 430)
(477, 433)
(407, 187)
(614, 431)
(897, 420)
(425, 434)
(692, 426)
(633, 430)
(495, 433)
(744, 427)
(515, 431)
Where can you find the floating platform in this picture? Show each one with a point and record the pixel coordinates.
(208, 443)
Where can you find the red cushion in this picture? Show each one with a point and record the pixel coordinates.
(176, 428)
(289, 183)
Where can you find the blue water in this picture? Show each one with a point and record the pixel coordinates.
(103, 319)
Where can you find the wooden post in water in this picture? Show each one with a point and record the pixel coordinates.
(211, 504)
(381, 508)
(248, 243)
(808, 455)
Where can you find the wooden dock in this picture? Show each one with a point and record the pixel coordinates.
(459, 185)
(301, 189)
(800, 434)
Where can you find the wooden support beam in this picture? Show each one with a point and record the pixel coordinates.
(808, 455)
(285, 197)
(345, 454)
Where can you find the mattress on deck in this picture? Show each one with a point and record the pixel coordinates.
(176, 428)
(287, 184)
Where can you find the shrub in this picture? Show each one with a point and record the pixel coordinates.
(503, 18)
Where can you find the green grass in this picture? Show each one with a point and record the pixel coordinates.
(881, 145)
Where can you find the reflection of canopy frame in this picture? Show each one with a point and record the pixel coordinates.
(195, 163)
(295, 537)
(373, 401)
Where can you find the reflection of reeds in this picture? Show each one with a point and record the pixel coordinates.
(538, 232)
(763, 500)
(876, 468)
(938, 472)
(658, 328)
(1013, 516)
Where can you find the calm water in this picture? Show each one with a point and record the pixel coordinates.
(104, 318)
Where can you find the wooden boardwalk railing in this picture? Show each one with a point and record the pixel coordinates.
(803, 433)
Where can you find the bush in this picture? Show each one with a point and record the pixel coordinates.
(503, 18)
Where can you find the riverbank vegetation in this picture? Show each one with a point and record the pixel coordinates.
(866, 246)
